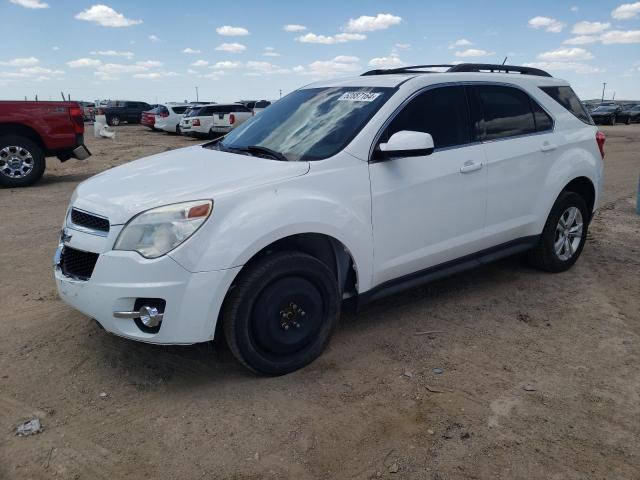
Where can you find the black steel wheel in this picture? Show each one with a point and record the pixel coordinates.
(281, 312)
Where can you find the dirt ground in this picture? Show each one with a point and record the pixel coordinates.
(540, 372)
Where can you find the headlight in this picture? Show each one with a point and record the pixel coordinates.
(158, 231)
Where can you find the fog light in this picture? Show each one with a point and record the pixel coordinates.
(149, 316)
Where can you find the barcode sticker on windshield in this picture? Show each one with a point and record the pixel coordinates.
(358, 97)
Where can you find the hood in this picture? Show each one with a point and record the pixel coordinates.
(191, 173)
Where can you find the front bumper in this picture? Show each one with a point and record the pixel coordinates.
(193, 300)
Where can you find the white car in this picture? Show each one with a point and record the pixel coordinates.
(209, 121)
(168, 116)
(346, 189)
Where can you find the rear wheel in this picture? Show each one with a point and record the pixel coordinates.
(628, 120)
(114, 121)
(178, 131)
(564, 234)
(612, 120)
(281, 312)
(21, 161)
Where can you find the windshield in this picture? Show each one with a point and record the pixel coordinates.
(310, 124)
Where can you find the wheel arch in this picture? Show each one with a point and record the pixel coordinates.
(584, 187)
(24, 131)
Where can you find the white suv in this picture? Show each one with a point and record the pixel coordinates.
(346, 189)
(168, 116)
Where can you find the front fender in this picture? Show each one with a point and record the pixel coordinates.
(243, 224)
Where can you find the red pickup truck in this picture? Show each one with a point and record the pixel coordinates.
(31, 131)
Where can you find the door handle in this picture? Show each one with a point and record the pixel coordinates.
(548, 147)
(470, 166)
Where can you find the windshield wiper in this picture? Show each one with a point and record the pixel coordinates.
(267, 151)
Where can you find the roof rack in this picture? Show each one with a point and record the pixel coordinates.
(463, 67)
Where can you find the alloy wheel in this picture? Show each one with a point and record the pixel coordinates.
(16, 161)
(568, 233)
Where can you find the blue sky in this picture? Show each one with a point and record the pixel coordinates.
(253, 49)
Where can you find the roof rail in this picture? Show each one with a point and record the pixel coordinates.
(495, 68)
(462, 67)
(407, 69)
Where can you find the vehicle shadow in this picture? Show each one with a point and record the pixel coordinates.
(146, 366)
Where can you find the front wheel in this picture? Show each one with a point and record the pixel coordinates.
(281, 312)
(628, 121)
(21, 161)
(564, 234)
(612, 120)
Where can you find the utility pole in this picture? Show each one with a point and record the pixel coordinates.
(197, 98)
(604, 85)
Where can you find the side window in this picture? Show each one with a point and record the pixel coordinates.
(441, 112)
(506, 111)
(566, 97)
(179, 110)
(543, 121)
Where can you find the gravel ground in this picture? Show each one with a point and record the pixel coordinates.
(539, 379)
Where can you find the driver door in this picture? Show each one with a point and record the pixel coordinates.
(429, 209)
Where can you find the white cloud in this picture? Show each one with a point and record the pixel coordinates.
(581, 40)
(265, 67)
(327, 68)
(346, 59)
(547, 23)
(473, 52)
(20, 62)
(365, 23)
(330, 40)
(113, 53)
(226, 65)
(155, 75)
(55, 48)
(462, 42)
(40, 73)
(150, 63)
(109, 69)
(620, 36)
(402, 46)
(190, 50)
(153, 38)
(229, 31)
(626, 11)
(292, 27)
(192, 71)
(392, 61)
(270, 52)
(589, 28)
(231, 47)
(106, 16)
(574, 8)
(200, 63)
(566, 54)
(30, 3)
(577, 67)
(84, 63)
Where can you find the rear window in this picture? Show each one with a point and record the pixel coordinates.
(566, 97)
(230, 109)
(193, 112)
(179, 110)
(262, 104)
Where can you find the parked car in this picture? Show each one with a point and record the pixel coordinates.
(272, 227)
(168, 116)
(255, 105)
(148, 118)
(31, 131)
(606, 114)
(118, 111)
(630, 114)
(197, 122)
(229, 117)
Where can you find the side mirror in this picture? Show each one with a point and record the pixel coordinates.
(407, 143)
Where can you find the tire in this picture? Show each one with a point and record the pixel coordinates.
(612, 121)
(628, 121)
(21, 161)
(178, 131)
(545, 255)
(113, 121)
(281, 313)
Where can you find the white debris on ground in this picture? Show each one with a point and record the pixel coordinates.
(30, 427)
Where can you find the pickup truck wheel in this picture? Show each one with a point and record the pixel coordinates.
(564, 234)
(21, 161)
(281, 313)
(114, 121)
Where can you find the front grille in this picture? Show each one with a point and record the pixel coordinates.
(78, 264)
(87, 220)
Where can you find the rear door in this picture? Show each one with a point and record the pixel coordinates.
(519, 146)
(430, 209)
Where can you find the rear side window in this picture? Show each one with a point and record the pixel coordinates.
(205, 112)
(566, 97)
(506, 112)
(441, 112)
(542, 118)
(179, 110)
